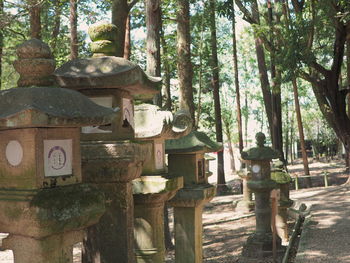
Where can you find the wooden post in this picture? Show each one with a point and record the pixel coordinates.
(274, 201)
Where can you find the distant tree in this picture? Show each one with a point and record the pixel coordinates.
(73, 21)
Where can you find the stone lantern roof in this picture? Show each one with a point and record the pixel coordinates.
(153, 123)
(105, 71)
(36, 103)
(261, 152)
(195, 142)
(49, 107)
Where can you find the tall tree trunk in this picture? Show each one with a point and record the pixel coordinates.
(264, 79)
(57, 25)
(34, 18)
(127, 45)
(277, 141)
(184, 65)
(246, 118)
(166, 70)
(73, 21)
(200, 75)
(1, 41)
(153, 18)
(120, 12)
(301, 132)
(286, 145)
(235, 64)
(216, 94)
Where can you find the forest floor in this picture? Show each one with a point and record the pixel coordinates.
(226, 230)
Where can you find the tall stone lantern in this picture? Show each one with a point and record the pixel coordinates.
(45, 207)
(258, 160)
(110, 157)
(186, 158)
(155, 186)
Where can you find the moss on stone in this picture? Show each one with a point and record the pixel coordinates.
(68, 207)
(103, 31)
(103, 46)
(280, 177)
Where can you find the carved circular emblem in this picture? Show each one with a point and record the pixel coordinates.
(256, 168)
(14, 153)
(57, 157)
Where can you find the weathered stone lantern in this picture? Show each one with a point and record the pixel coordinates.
(258, 160)
(155, 186)
(186, 158)
(283, 179)
(110, 159)
(45, 208)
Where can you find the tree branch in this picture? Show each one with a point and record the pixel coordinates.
(247, 16)
(132, 4)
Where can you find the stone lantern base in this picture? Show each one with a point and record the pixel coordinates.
(259, 246)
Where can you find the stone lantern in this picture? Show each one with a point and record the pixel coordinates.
(155, 186)
(186, 158)
(283, 179)
(258, 160)
(110, 157)
(45, 207)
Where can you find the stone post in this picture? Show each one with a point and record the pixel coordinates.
(283, 179)
(110, 157)
(186, 158)
(258, 158)
(45, 207)
(246, 205)
(155, 186)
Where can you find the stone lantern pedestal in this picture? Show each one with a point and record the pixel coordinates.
(155, 186)
(110, 157)
(45, 207)
(258, 159)
(282, 178)
(186, 158)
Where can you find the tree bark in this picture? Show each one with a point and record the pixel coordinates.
(73, 21)
(235, 65)
(216, 94)
(153, 18)
(263, 76)
(1, 42)
(57, 25)
(184, 65)
(286, 137)
(166, 70)
(120, 12)
(277, 140)
(301, 132)
(34, 18)
(127, 46)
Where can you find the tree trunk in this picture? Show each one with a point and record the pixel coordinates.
(277, 140)
(166, 70)
(286, 145)
(301, 132)
(246, 118)
(264, 79)
(216, 94)
(73, 21)
(57, 25)
(34, 18)
(184, 65)
(1, 42)
(153, 18)
(120, 12)
(235, 64)
(127, 46)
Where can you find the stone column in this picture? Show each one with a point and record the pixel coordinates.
(150, 195)
(246, 205)
(282, 178)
